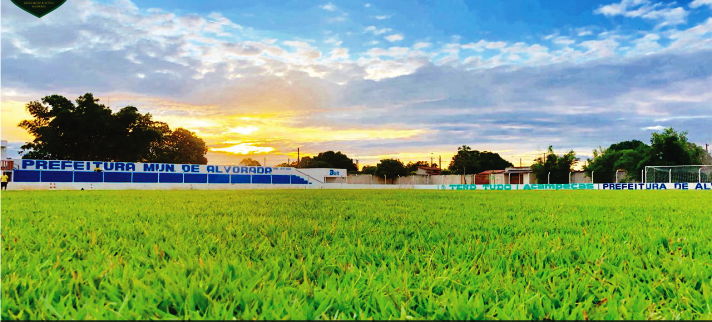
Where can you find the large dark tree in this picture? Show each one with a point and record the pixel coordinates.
(668, 147)
(554, 168)
(336, 160)
(89, 131)
(328, 159)
(391, 168)
(182, 146)
(468, 161)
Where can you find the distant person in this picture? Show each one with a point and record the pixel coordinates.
(3, 180)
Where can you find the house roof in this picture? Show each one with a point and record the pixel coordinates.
(491, 172)
(518, 170)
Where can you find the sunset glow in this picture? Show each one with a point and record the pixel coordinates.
(367, 81)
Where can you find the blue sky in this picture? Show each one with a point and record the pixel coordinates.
(375, 79)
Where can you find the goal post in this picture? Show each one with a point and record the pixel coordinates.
(678, 174)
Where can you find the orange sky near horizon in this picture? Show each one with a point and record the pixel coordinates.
(272, 137)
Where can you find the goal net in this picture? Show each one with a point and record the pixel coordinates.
(678, 173)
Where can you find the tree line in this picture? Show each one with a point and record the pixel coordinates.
(86, 130)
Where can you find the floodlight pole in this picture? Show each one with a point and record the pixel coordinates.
(569, 177)
(385, 179)
(616, 176)
(548, 176)
(592, 176)
(699, 175)
(670, 176)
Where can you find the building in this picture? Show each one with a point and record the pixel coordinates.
(490, 177)
(6, 163)
(519, 175)
(428, 171)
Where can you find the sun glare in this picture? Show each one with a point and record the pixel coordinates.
(245, 148)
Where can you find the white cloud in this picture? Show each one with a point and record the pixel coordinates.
(329, 7)
(666, 15)
(562, 40)
(390, 52)
(698, 37)
(394, 38)
(645, 46)
(367, 5)
(421, 45)
(339, 18)
(334, 40)
(654, 128)
(600, 48)
(585, 33)
(483, 44)
(376, 31)
(383, 17)
(699, 3)
(339, 53)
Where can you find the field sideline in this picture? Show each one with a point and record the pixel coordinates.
(356, 254)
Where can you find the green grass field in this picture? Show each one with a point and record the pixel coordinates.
(338, 254)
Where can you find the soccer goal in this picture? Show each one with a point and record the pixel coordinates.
(678, 173)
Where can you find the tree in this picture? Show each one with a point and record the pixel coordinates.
(391, 168)
(89, 131)
(66, 131)
(667, 148)
(369, 169)
(335, 160)
(182, 146)
(468, 161)
(554, 169)
(249, 162)
(413, 166)
(625, 155)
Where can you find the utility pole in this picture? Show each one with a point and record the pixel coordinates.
(520, 162)
(440, 162)
(297, 157)
(431, 160)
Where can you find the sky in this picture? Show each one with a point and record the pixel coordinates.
(374, 79)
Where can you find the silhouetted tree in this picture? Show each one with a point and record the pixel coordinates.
(89, 131)
(249, 162)
(559, 167)
(468, 161)
(391, 168)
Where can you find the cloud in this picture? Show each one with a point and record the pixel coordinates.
(421, 45)
(585, 33)
(654, 128)
(339, 53)
(367, 5)
(383, 17)
(376, 31)
(699, 3)
(394, 37)
(561, 40)
(483, 44)
(645, 9)
(328, 7)
(237, 86)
